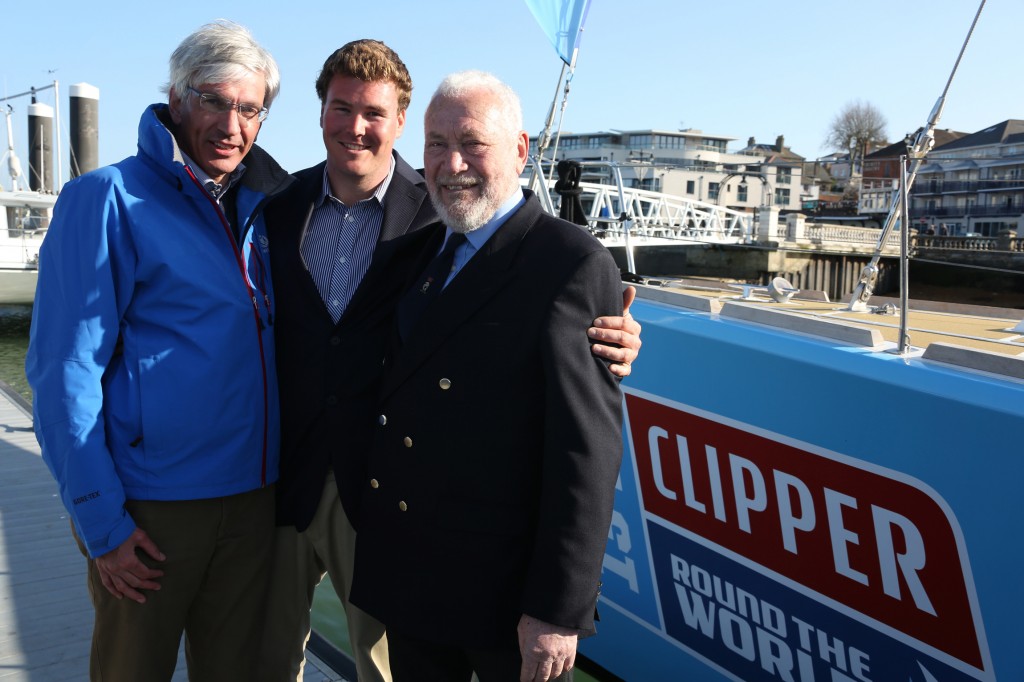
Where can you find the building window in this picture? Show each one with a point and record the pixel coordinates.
(741, 192)
(645, 183)
(640, 141)
(689, 187)
(713, 191)
(669, 142)
(713, 144)
(781, 197)
(783, 176)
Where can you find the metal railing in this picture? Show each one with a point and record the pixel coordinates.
(949, 186)
(847, 235)
(964, 243)
(946, 211)
(608, 209)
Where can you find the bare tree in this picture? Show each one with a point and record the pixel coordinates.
(858, 126)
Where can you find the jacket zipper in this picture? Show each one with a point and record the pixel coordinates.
(256, 313)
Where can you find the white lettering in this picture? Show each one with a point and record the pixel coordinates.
(774, 619)
(833, 651)
(736, 634)
(680, 570)
(725, 594)
(859, 664)
(701, 581)
(806, 665)
(618, 532)
(804, 630)
(757, 500)
(909, 562)
(840, 536)
(684, 464)
(776, 656)
(621, 538)
(757, 631)
(653, 436)
(784, 484)
(717, 500)
(748, 606)
(805, 511)
(698, 616)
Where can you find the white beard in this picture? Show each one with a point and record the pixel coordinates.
(466, 215)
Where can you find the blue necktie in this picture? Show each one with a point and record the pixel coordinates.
(428, 286)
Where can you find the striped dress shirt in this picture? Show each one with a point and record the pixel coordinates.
(338, 242)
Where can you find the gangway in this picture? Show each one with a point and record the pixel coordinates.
(609, 208)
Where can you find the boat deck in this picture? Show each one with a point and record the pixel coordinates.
(975, 337)
(45, 613)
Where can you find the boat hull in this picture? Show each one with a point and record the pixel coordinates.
(796, 508)
(17, 286)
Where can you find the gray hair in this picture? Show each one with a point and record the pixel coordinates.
(222, 52)
(457, 85)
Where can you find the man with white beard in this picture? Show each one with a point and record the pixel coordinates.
(490, 483)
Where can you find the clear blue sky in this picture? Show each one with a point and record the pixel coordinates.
(739, 69)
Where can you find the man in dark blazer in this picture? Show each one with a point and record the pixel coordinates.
(331, 320)
(490, 484)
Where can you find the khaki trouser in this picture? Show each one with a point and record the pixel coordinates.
(216, 572)
(300, 562)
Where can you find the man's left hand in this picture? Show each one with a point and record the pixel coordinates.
(624, 331)
(548, 650)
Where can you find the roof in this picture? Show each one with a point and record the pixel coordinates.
(814, 170)
(1008, 132)
(897, 149)
(772, 153)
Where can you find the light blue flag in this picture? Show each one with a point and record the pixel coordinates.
(561, 21)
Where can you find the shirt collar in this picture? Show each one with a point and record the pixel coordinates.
(378, 194)
(215, 190)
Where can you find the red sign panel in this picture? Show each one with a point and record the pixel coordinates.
(869, 540)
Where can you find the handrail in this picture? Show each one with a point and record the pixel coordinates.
(651, 213)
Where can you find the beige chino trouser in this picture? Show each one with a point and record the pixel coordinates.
(216, 573)
(301, 560)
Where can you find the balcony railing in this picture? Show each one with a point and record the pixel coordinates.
(946, 211)
(951, 186)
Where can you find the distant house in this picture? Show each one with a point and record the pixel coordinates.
(837, 164)
(823, 194)
(881, 176)
(785, 166)
(973, 184)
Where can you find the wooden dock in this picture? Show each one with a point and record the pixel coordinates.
(45, 613)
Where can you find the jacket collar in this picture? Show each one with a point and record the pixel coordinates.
(156, 141)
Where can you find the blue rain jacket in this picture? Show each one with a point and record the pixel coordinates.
(151, 355)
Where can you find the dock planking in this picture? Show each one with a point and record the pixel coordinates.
(45, 613)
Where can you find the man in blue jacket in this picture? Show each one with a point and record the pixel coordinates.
(152, 363)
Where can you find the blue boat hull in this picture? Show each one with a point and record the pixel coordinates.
(790, 508)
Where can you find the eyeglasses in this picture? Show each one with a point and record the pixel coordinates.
(215, 104)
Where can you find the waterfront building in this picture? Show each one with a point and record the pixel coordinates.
(693, 164)
(973, 185)
(881, 177)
